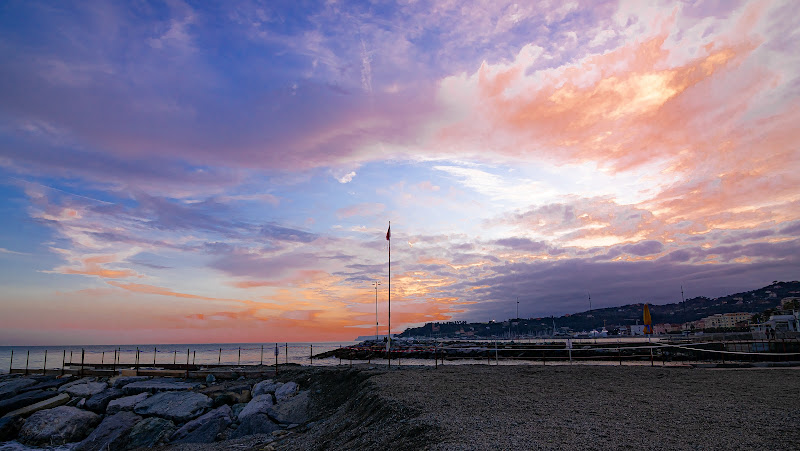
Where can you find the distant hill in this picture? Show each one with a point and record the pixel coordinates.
(755, 301)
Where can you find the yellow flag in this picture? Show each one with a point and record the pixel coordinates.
(648, 323)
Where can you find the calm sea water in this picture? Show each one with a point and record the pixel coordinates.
(209, 353)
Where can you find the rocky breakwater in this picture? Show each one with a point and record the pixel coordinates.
(124, 413)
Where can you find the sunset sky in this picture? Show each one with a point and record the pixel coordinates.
(205, 172)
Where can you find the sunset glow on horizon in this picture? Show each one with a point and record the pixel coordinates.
(195, 172)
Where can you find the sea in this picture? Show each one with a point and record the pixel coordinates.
(33, 357)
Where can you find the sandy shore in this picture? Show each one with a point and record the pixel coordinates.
(579, 407)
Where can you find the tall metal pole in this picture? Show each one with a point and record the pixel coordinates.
(389, 333)
(376, 309)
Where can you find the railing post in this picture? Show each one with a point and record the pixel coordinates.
(137, 360)
(83, 354)
(63, 360)
(436, 355)
(219, 361)
(311, 356)
(619, 354)
(287, 353)
(194, 356)
(102, 358)
(276, 359)
(154, 356)
(11, 362)
(262, 356)
(174, 357)
(27, 358)
(44, 366)
(239, 362)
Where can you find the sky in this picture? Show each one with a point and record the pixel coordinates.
(198, 172)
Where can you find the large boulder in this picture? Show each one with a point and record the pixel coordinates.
(228, 394)
(99, 402)
(24, 399)
(259, 404)
(286, 391)
(85, 390)
(57, 426)
(206, 428)
(111, 434)
(13, 387)
(83, 380)
(126, 403)
(265, 386)
(177, 406)
(292, 410)
(121, 381)
(257, 423)
(149, 432)
(159, 385)
(50, 382)
(9, 428)
(49, 403)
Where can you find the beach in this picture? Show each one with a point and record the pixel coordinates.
(563, 407)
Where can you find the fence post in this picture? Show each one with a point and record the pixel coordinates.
(63, 359)
(311, 356)
(287, 353)
(651, 356)
(436, 355)
(154, 356)
(496, 354)
(137, 360)
(262, 356)
(11, 362)
(70, 358)
(276, 359)
(26, 361)
(102, 358)
(239, 361)
(83, 354)
(187, 363)
(174, 357)
(194, 356)
(219, 361)
(44, 366)
(619, 354)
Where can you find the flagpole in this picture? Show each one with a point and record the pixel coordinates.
(388, 238)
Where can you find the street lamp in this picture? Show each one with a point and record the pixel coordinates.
(376, 309)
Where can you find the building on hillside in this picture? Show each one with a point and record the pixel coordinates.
(637, 329)
(666, 328)
(725, 320)
(788, 303)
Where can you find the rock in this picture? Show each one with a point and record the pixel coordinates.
(56, 401)
(51, 382)
(126, 403)
(266, 386)
(206, 428)
(149, 433)
(210, 379)
(259, 404)
(177, 406)
(13, 387)
(99, 402)
(223, 394)
(257, 423)
(85, 390)
(286, 391)
(237, 409)
(57, 426)
(121, 381)
(112, 433)
(158, 385)
(84, 380)
(292, 410)
(24, 399)
(9, 427)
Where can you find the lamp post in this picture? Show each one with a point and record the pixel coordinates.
(376, 309)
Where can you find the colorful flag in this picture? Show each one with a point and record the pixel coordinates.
(648, 324)
(388, 233)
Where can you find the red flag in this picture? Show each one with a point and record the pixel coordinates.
(389, 233)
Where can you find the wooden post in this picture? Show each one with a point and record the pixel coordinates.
(262, 356)
(619, 354)
(651, 357)
(70, 358)
(11, 362)
(496, 354)
(102, 358)
(276, 359)
(63, 359)
(137, 360)
(174, 356)
(287, 353)
(83, 354)
(219, 361)
(194, 355)
(436, 355)
(312, 354)
(239, 362)
(27, 359)
(154, 356)
(44, 366)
